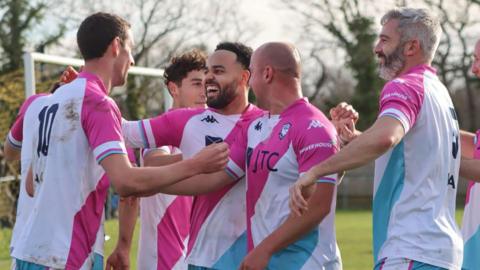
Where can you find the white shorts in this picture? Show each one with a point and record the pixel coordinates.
(404, 264)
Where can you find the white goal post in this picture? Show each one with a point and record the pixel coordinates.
(29, 59)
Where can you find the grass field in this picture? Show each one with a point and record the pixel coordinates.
(353, 234)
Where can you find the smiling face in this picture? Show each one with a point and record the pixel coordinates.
(389, 51)
(191, 91)
(222, 78)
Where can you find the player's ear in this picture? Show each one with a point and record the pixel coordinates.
(268, 74)
(173, 89)
(115, 46)
(245, 76)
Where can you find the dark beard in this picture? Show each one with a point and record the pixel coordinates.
(225, 97)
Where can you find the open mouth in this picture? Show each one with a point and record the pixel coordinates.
(212, 89)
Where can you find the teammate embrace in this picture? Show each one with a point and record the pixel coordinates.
(239, 162)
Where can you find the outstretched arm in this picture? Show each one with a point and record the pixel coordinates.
(147, 181)
(385, 133)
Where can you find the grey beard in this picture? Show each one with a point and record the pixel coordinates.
(391, 71)
(392, 65)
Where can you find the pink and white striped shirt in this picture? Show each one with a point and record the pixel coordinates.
(276, 150)
(217, 232)
(164, 228)
(75, 128)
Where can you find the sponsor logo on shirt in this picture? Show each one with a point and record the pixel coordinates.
(258, 126)
(284, 131)
(395, 94)
(315, 124)
(399, 80)
(316, 145)
(209, 119)
(262, 160)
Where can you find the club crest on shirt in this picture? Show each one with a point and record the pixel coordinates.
(211, 139)
(284, 131)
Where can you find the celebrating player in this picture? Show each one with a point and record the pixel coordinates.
(415, 142)
(76, 143)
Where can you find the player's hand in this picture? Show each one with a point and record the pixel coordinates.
(346, 130)
(344, 117)
(343, 111)
(257, 259)
(68, 75)
(300, 192)
(212, 158)
(119, 259)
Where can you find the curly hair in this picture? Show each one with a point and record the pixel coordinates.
(181, 65)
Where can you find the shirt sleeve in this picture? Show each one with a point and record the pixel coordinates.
(101, 121)
(165, 129)
(15, 135)
(238, 155)
(402, 102)
(314, 143)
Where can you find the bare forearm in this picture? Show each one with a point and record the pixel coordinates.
(466, 140)
(127, 217)
(386, 133)
(359, 152)
(147, 181)
(470, 169)
(199, 184)
(11, 153)
(160, 159)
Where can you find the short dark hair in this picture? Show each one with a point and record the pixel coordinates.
(182, 64)
(243, 52)
(97, 31)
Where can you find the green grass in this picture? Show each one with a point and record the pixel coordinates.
(354, 235)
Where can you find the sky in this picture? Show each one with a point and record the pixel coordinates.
(270, 17)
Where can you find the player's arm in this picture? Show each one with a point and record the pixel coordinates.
(156, 157)
(470, 169)
(385, 134)
(11, 153)
(12, 147)
(199, 184)
(293, 228)
(344, 118)
(205, 183)
(467, 140)
(29, 185)
(127, 218)
(195, 185)
(145, 181)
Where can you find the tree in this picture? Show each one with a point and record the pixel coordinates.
(454, 55)
(163, 28)
(345, 26)
(17, 17)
